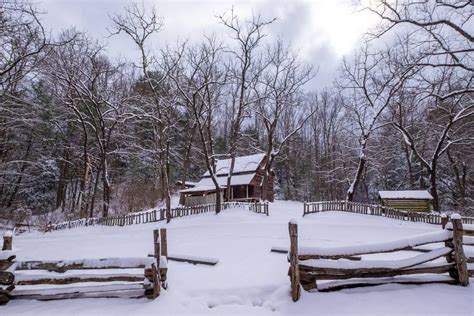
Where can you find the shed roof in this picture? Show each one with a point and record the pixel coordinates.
(188, 183)
(248, 163)
(406, 194)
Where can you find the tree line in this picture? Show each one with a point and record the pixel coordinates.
(90, 135)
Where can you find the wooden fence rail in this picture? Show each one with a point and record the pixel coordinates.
(156, 215)
(311, 265)
(377, 210)
(50, 282)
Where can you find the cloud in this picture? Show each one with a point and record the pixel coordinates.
(320, 31)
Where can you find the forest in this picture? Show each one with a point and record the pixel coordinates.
(91, 135)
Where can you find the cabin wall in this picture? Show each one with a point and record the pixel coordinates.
(193, 200)
(412, 205)
(257, 182)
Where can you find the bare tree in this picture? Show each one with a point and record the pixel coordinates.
(245, 74)
(140, 25)
(282, 83)
(449, 122)
(200, 80)
(370, 83)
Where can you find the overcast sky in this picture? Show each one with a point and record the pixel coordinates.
(322, 31)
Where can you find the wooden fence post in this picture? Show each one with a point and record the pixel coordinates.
(7, 240)
(459, 256)
(157, 246)
(294, 269)
(164, 242)
(444, 220)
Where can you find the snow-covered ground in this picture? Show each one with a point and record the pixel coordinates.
(249, 279)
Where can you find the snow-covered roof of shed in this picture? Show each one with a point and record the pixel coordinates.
(242, 164)
(206, 184)
(407, 194)
(189, 183)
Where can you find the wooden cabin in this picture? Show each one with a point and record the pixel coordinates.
(246, 182)
(413, 200)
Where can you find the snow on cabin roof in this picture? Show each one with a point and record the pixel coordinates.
(206, 184)
(189, 183)
(242, 164)
(408, 194)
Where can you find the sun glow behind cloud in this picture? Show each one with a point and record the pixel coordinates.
(337, 23)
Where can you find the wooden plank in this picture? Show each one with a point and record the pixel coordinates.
(5, 264)
(397, 245)
(285, 250)
(192, 259)
(80, 264)
(346, 284)
(373, 265)
(468, 241)
(372, 273)
(49, 278)
(96, 291)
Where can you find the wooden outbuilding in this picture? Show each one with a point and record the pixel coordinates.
(246, 182)
(413, 200)
(187, 184)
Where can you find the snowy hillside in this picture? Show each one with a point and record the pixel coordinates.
(249, 279)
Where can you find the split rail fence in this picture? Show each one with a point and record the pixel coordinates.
(52, 280)
(327, 269)
(157, 215)
(377, 210)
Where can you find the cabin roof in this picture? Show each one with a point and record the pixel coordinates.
(243, 164)
(407, 195)
(206, 184)
(188, 183)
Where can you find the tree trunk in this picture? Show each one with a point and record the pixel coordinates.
(63, 169)
(94, 194)
(82, 188)
(228, 195)
(434, 187)
(356, 180)
(20, 177)
(106, 187)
